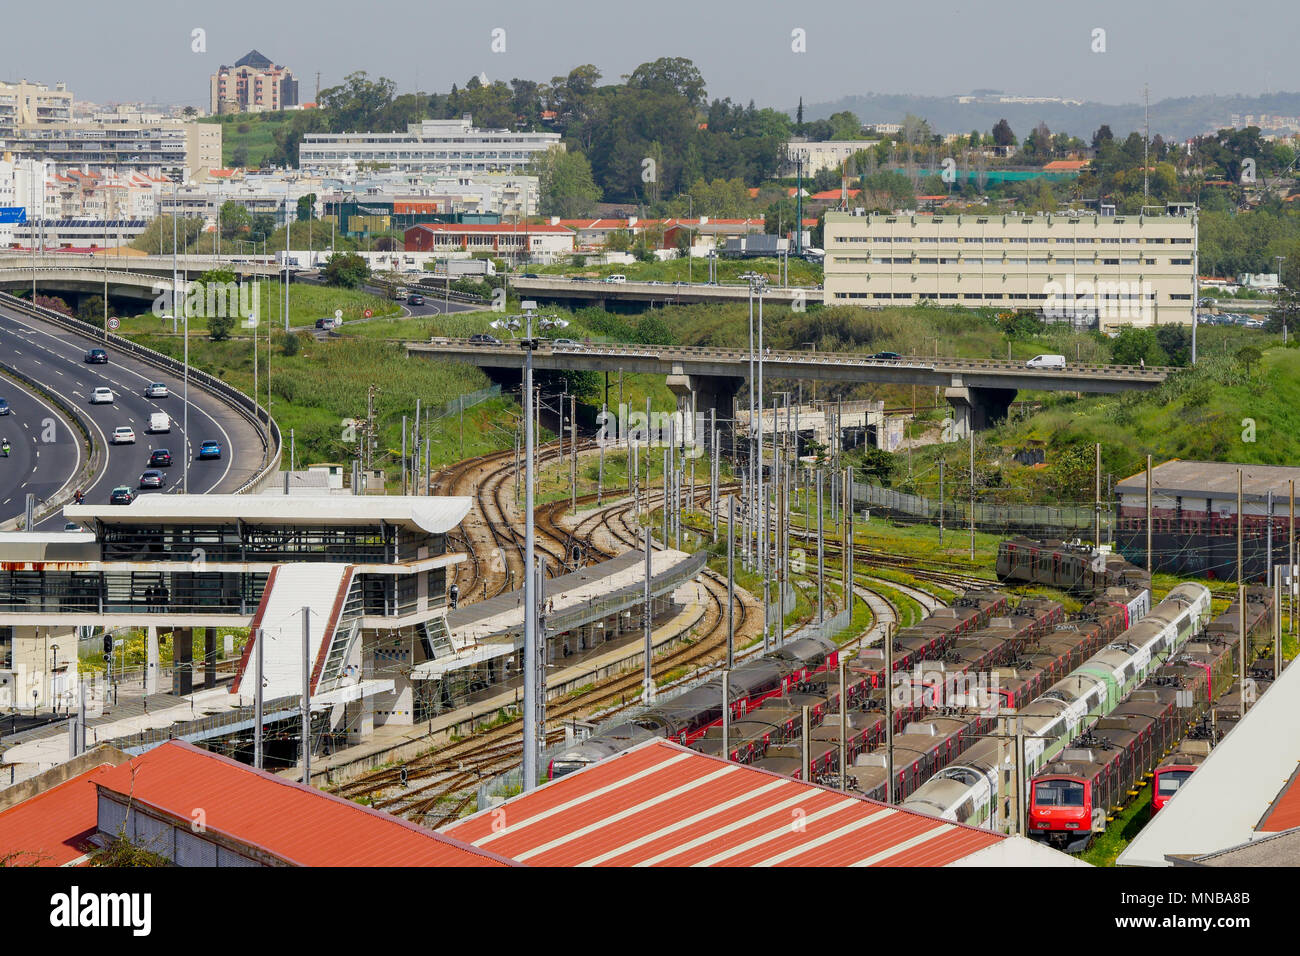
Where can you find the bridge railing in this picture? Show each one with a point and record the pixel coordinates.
(268, 431)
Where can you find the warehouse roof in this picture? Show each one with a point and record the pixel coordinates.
(1242, 792)
(662, 804)
(296, 824)
(54, 827)
(1214, 479)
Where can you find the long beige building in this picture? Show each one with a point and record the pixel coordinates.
(1104, 270)
(33, 104)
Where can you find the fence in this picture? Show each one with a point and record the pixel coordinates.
(469, 400)
(1057, 521)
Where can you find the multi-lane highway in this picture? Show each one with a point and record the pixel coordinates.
(45, 449)
(54, 358)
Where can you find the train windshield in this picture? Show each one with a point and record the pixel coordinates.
(1168, 781)
(560, 768)
(1058, 793)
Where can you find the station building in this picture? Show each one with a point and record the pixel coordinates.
(1194, 518)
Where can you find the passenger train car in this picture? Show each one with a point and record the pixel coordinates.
(965, 790)
(1070, 566)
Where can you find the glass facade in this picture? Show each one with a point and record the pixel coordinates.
(377, 544)
(94, 592)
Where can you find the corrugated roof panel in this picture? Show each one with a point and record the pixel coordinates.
(660, 804)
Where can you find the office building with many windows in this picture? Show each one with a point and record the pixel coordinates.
(446, 147)
(1099, 270)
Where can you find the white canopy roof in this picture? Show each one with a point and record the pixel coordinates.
(436, 515)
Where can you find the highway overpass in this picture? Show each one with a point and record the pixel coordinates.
(581, 292)
(980, 390)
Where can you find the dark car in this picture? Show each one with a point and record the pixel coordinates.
(152, 479)
(531, 275)
(886, 355)
(97, 357)
(160, 458)
(210, 449)
(4, 407)
(415, 299)
(122, 495)
(482, 338)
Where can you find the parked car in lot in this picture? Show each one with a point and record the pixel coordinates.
(122, 495)
(156, 390)
(102, 395)
(482, 338)
(209, 449)
(97, 357)
(123, 435)
(160, 458)
(4, 408)
(152, 479)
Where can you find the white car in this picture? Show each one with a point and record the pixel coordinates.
(616, 278)
(156, 390)
(123, 435)
(101, 396)
(1046, 361)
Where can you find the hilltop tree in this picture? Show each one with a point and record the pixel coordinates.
(1002, 134)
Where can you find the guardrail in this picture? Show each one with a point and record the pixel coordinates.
(268, 431)
(94, 454)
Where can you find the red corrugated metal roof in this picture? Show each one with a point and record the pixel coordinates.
(297, 824)
(1284, 814)
(662, 804)
(505, 228)
(53, 828)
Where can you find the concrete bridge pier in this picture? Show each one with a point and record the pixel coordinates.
(977, 408)
(713, 394)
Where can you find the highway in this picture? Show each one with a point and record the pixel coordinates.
(35, 465)
(53, 357)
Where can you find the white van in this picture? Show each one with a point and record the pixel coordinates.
(159, 422)
(1046, 361)
(616, 278)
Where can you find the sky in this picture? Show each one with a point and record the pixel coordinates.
(142, 50)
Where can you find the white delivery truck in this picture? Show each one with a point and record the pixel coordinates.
(159, 422)
(1046, 361)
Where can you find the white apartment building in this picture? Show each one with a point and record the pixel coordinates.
(1102, 270)
(33, 104)
(444, 147)
(179, 151)
(817, 156)
(30, 184)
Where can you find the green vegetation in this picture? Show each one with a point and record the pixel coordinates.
(307, 303)
(1107, 846)
(249, 139)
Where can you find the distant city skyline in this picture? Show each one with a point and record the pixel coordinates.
(942, 49)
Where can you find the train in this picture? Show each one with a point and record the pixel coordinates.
(761, 689)
(1076, 794)
(1070, 566)
(966, 790)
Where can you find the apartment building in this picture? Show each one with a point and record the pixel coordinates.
(1099, 270)
(179, 151)
(33, 104)
(816, 156)
(445, 147)
(253, 85)
(31, 185)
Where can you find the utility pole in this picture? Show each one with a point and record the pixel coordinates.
(941, 501)
(972, 491)
(649, 695)
(573, 449)
(844, 728)
(889, 711)
(726, 714)
(1150, 561)
(1241, 596)
(600, 472)
(821, 555)
(1097, 497)
(731, 581)
(257, 697)
(306, 696)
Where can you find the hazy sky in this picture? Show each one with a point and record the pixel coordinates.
(140, 50)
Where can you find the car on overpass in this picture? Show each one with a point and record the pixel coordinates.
(1046, 361)
(482, 338)
(122, 495)
(96, 357)
(888, 356)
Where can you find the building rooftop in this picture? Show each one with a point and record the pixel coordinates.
(1244, 790)
(1216, 479)
(435, 515)
(53, 827)
(662, 804)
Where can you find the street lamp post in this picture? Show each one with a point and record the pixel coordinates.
(532, 673)
(54, 697)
